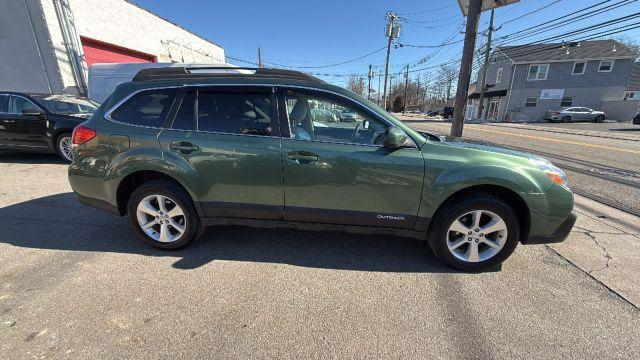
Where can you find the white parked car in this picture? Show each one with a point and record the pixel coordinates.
(574, 114)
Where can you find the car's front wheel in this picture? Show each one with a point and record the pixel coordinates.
(162, 215)
(474, 233)
(599, 119)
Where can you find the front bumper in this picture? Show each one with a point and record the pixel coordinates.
(559, 235)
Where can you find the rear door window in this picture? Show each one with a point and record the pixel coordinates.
(234, 112)
(18, 105)
(185, 118)
(147, 108)
(4, 98)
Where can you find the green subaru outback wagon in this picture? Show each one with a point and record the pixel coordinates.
(179, 149)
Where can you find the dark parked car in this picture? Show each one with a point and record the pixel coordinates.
(188, 149)
(636, 119)
(447, 112)
(41, 123)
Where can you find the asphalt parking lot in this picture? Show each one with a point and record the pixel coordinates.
(76, 283)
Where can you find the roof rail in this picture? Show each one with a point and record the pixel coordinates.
(186, 72)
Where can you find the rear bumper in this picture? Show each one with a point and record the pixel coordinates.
(559, 235)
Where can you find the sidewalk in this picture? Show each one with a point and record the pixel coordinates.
(605, 244)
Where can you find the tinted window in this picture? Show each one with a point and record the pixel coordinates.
(3, 103)
(185, 117)
(17, 105)
(67, 105)
(235, 113)
(313, 118)
(147, 108)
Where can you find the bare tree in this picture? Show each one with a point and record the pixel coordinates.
(356, 84)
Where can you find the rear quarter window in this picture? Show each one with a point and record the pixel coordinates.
(146, 108)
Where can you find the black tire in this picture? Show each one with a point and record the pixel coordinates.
(599, 119)
(566, 119)
(175, 193)
(452, 210)
(59, 139)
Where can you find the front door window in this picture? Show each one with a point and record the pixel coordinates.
(318, 118)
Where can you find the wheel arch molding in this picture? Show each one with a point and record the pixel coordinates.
(127, 183)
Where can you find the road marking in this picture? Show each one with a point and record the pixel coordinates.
(560, 141)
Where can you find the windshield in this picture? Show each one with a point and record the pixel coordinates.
(68, 105)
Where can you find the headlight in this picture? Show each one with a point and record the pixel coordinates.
(553, 172)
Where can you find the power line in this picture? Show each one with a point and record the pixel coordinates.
(529, 13)
(330, 65)
(427, 11)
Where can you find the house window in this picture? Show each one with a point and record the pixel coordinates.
(605, 66)
(632, 95)
(499, 76)
(578, 68)
(567, 101)
(531, 102)
(538, 72)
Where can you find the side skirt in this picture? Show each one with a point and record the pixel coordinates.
(297, 225)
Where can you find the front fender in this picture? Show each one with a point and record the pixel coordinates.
(441, 184)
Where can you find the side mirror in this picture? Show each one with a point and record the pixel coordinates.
(31, 113)
(395, 138)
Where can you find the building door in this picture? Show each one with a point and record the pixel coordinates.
(494, 106)
(100, 52)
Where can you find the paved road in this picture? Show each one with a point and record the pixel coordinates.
(599, 159)
(614, 127)
(76, 283)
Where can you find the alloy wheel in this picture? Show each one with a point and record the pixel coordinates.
(476, 236)
(65, 147)
(161, 218)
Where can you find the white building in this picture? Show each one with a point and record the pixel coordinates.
(46, 46)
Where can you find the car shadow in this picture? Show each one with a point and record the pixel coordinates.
(59, 222)
(627, 129)
(7, 157)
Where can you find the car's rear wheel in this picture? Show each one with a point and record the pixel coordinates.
(64, 147)
(566, 119)
(474, 233)
(162, 215)
(599, 119)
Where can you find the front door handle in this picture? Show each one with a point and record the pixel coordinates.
(183, 147)
(302, 157)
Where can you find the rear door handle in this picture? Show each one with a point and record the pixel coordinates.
(183, 147)
(302, 157)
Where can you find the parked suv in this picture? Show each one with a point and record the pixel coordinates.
(176, 150)
(41, 122)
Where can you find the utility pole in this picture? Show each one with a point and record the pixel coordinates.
(483, 83)
(406, 84)
(465, 67)
(379, 81)
(370, 75)
(392, 32)
(260, 57)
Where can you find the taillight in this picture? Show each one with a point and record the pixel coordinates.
(82, 134)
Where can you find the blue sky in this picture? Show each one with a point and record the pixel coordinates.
(319, 33)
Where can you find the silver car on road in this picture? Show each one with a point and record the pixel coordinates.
(574, 114)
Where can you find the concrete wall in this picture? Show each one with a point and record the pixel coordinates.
(620, 110)
(27, 53)
(588, 89)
